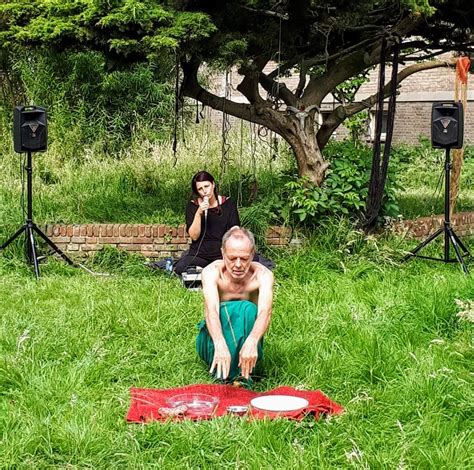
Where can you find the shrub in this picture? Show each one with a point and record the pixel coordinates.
(90, 105)
(344, 191)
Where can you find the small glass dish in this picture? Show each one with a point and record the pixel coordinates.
(239, 410)
(197, 404)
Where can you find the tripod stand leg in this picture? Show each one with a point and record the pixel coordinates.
(53, 246)
(424, 243)
(452, 238)
(13, 237)
(30, 243)
(461, 244)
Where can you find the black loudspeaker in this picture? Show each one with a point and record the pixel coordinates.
(447, 125)
(30, 129)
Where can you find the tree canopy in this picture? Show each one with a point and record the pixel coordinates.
(326, 41)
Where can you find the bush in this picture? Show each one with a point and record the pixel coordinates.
(344, 191)
(90, 105)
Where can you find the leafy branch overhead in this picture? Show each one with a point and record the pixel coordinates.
(148, 25)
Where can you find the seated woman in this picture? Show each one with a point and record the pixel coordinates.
(208, 216)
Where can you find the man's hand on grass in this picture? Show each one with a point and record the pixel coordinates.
(221, 361)
(248, 356)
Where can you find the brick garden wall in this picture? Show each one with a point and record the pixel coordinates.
(159, 241)
(152, 241)
(462, 223)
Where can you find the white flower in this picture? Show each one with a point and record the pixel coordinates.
(467, 310)
(23, 338)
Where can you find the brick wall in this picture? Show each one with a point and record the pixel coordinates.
(159, 241)
(462, 223)
(411, 121)
(152, 241)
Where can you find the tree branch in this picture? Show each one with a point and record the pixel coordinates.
(281, 69)
(319, 87)
(318, 60)
(423, 45)
(301, 81)
(258, 114)
(356, 62)
(282, 16)
(335, 119)
(249, 84)
(278, 90)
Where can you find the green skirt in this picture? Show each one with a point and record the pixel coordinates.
(237, 320)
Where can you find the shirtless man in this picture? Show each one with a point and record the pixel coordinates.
(238, 296)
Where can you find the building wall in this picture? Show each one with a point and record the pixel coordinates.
(416, 95)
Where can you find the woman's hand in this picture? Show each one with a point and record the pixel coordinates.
(194, 230)
(204, 204)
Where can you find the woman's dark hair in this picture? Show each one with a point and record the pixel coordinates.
(200, 177)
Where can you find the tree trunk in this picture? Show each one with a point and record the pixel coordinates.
(309, 158)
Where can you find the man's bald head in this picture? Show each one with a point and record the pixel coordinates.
(240, 234)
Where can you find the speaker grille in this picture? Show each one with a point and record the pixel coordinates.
(30, 129)
(447, 125)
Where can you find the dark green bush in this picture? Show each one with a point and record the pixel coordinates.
(344, 191)
(89, 105)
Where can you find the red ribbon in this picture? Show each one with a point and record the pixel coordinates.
(463, 65)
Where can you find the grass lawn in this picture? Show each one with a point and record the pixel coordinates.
(379, 337)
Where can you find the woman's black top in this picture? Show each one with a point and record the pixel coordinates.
(219, 220)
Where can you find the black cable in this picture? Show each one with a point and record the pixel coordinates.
(200, 243)
(203, 235)
(437, 189)
(197, 251)
(176, 110)
(22, 197)
(205, 228)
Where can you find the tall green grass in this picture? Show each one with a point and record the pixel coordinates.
(380, 337)
(145, 183)
(421, 175)
(90, 101)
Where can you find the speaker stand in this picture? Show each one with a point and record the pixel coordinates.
(450, 236)
(30, 228)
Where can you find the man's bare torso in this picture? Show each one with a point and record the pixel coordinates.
(243, 289)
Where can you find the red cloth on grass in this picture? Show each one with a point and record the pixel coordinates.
(145, 402)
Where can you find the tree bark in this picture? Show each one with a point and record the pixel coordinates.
(309, 157)
(306, 144)
(302, 141)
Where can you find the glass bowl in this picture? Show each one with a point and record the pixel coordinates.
(197, 404)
